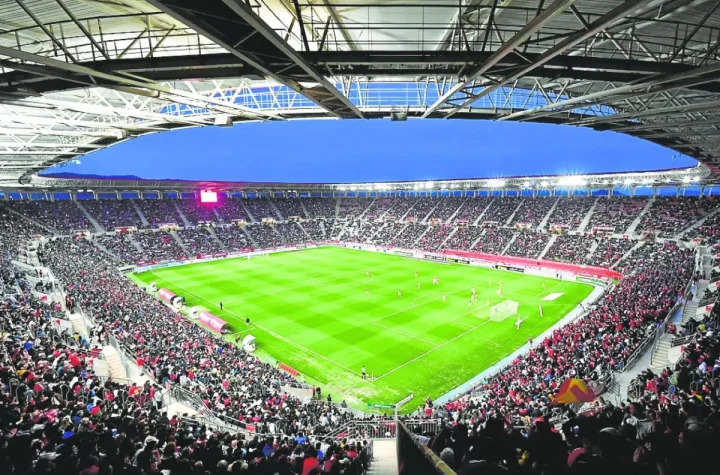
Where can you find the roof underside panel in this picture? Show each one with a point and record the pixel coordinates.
(76, 76)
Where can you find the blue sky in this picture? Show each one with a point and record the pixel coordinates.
(375, 150)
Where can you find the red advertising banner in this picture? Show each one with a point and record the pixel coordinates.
(590, 271)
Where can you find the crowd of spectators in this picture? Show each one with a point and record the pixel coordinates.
(233, 237)
(111, 214)
(709, 230)
(358, 231)
(291, 233)
(314, 229)
(290, 207)
(446, 208)
(472, 209)
(422, 208)
(320, 207)
(122, 245)
(375, 208)
(260, 208)
(93, 427)
(399, 207)
(159, 246)
(609, 251)
(494, 240)
(528, 244)
(159, 211)
(58, 417)
(409, 236)
(265, 236)
(232, 209)
(500, 210)
(434, 238)
(616, 213)
(61, 216)
(200, 240)
(196, 212)
(354, 208)
(464, 237)
(668, 216)
(386, 234)
(569, 248)
(587, 348)
(533, 210)
(570, 212)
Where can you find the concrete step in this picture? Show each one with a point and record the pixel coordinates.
(384, 458)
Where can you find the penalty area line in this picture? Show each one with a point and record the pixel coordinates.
(470, 330)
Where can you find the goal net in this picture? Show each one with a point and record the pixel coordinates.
(503, 310)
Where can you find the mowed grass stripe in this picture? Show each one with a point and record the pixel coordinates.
(313, 309)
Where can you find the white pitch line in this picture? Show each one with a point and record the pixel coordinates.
(404, 334)
(455, 338)
(276, 335)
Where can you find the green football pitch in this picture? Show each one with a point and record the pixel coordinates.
(329, 311)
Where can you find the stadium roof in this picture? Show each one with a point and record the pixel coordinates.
(79, 75)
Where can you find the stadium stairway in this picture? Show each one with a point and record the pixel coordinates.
(143, 218)
(512, 216)
(180, 243)
(551, 241)
(247, 210)
(277, 211)
(337, 207)
(455, 213)
(304, 209)
(78, 324)
(302, 228)
(638, 245)
(659, 359)
(442, 244)
(250, 237)
(216, 238)
(477, 221)
(546, 218)
(183, 218)
(636, 222)
(593, 248)
(586, 220)
(115, 367)
(135, 244)
(384, 458)
(106, 250)
(427, 216)
(699, 222)
(96, 225)
(510, 243)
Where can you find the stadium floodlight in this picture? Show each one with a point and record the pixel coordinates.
(495, 183)
(545, 184)
(572, 180)
(628, 182)
(429, 184)
(526, 184)
(686, 179)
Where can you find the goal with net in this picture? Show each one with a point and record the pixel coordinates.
(503, 310)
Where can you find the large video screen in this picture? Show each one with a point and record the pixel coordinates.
(208, 196)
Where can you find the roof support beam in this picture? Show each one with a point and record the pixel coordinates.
(648, 113)
(339, 23)
(323, 93)
(578, 37)
(557, 7)
(673, 80)
(46, 30)
(159, 90)
(82, 28)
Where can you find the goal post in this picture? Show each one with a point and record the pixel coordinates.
(503, 310)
